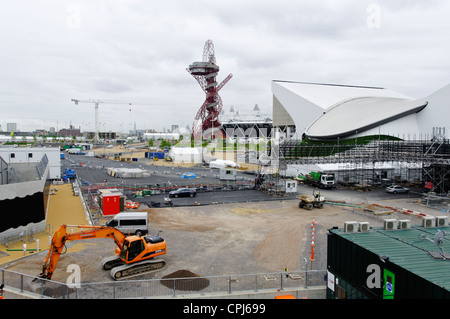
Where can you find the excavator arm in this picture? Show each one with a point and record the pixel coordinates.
(61, 237)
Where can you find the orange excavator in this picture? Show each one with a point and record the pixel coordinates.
(134, 255)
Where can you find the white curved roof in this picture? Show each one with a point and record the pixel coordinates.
(326, 95)
(361, 114)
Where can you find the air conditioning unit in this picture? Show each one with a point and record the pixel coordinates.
(441, 221)
(364, 226)
(390, 224)
(351, 227)
(404, 224)
(428, 221)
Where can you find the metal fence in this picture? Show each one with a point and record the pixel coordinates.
(23, 233)
(3, 172)
(437, 202)
(134, 190)
(164, 288)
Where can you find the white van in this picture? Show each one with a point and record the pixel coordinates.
(130, 223)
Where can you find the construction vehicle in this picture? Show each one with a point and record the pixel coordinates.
(318, 179)
(134, 255)
(69, 173)
(310, 201)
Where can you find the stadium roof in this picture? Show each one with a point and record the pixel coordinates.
(327, 95)
(360, 114)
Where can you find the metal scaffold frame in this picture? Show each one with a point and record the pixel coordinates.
(431, 158)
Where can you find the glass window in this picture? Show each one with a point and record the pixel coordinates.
(135, 248)
(112, 223)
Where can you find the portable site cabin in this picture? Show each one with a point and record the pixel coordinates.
(396, 261)
(111, 201)
(228, 173)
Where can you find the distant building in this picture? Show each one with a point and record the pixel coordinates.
(101, 135)
(251, 124)
(11, 127)
(71, 131)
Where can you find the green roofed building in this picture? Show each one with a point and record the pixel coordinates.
(397, 261)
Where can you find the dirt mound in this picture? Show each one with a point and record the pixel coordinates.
(184, 280)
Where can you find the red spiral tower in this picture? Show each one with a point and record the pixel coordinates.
(207, 119)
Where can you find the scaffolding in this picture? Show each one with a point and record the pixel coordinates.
(414, 161)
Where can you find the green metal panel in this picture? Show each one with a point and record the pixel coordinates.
(408, 252)
(388, 284)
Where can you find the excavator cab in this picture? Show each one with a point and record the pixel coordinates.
(142, 247)
(132, 249)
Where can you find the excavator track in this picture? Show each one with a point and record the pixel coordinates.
(137, 269)
(109, 263)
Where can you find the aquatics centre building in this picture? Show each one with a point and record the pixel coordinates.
(333, 112)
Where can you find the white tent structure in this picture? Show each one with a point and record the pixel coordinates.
(127, 172)
(219, 163)
(186, 154)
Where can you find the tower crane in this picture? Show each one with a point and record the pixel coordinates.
(97, 102)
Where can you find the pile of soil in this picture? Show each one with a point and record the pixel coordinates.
(185, 281)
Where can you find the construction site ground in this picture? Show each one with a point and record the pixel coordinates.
(210, 240)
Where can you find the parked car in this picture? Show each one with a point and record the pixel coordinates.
(183, 192)
(396, 189)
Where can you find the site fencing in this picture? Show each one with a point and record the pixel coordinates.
(437, 202)
(89, 192)
(23, 234)
(164, 288)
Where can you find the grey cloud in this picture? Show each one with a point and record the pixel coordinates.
(140, 49)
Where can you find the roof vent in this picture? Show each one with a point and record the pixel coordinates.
(351, 227)
(428, 221)
(364, 226)
(390, 224)
(404, 224)
(441, 221)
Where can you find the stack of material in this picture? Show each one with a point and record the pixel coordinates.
(127, 172)
(222, 164)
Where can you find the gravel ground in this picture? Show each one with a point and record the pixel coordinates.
(230, 238)
(227, 239)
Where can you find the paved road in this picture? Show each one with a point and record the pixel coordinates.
(161, 174)
(351, 195)
(92, 170)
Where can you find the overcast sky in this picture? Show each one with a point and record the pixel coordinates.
(53, 51)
